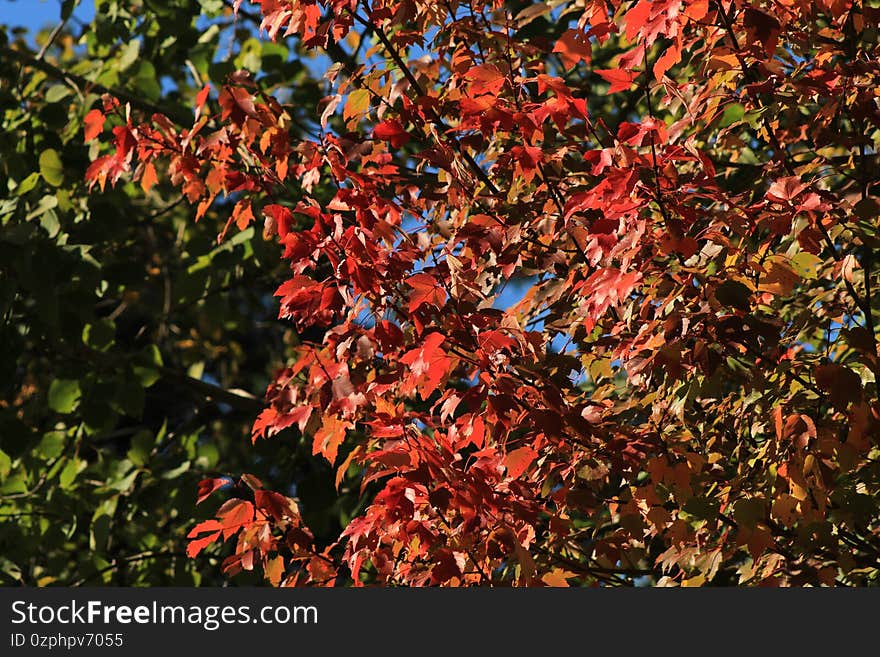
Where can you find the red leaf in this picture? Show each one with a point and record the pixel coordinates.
(264, 423)
(281, 217)
(761, 28)
(620, 80)
(235, 514)
(236, 103)
(148, 178)
(329, 437)
(275, 505)
(667, 60)
(785, 189)
(519, 460)
(574, 48)
(636, 18)
(425, 290)
(196, 545)
(428, 364)
(93, 124)
(208, 486)
(485, 79)
(201, 98)
(388, 335)
(391, 131)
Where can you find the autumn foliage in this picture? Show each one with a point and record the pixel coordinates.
(589, 309)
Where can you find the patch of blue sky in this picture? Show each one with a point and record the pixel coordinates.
(36, 15)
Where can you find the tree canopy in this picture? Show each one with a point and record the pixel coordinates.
(538, 293)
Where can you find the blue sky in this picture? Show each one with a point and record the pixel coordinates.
(37, 14)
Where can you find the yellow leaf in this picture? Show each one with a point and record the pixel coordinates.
(557, 578)
(779, 278)
(357, 104)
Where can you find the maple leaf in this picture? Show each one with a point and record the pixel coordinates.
(202, 535)
(201, 99)
(277, 506)
(93, 124)
(236, 103)
(233, 515)
(485, 79)
(426, 290)
(428, 363)
(518, 461)
(274, 570)
(573, 47)
(636, 18)
(763, 28)
(281, 218)
(620, 80)
(391, 131)
(148, 177)
(330, 436)
(208, 486)
(786, 189)
(308, 302)
(670, 57)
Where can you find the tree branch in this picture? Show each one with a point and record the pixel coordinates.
(78, 81)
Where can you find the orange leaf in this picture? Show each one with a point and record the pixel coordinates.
(148, 178)
(93, 124)
(274, 570)
(574, 48)
(485, 79)
(620, 80)
(329, 437)
(201, 97)
(234, 515)
(519, 460)
(425, 290)
(196, 545)
(667, 60)
(208, 486)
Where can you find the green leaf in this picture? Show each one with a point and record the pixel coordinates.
(46, 203)
(174, 473)
(806, 265)
(99, 532)
(145, 81)
(129, 54)
(51, 168)
(99, 335)
(13, 485)
(51, 445)
(5, 464)
(141, 445)
(732, 114)
(147, 366)
(124, 483)
(57, 93)
(70, 472)
(27, 184)
(10, 569)
(49, 222)
(64, 395)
